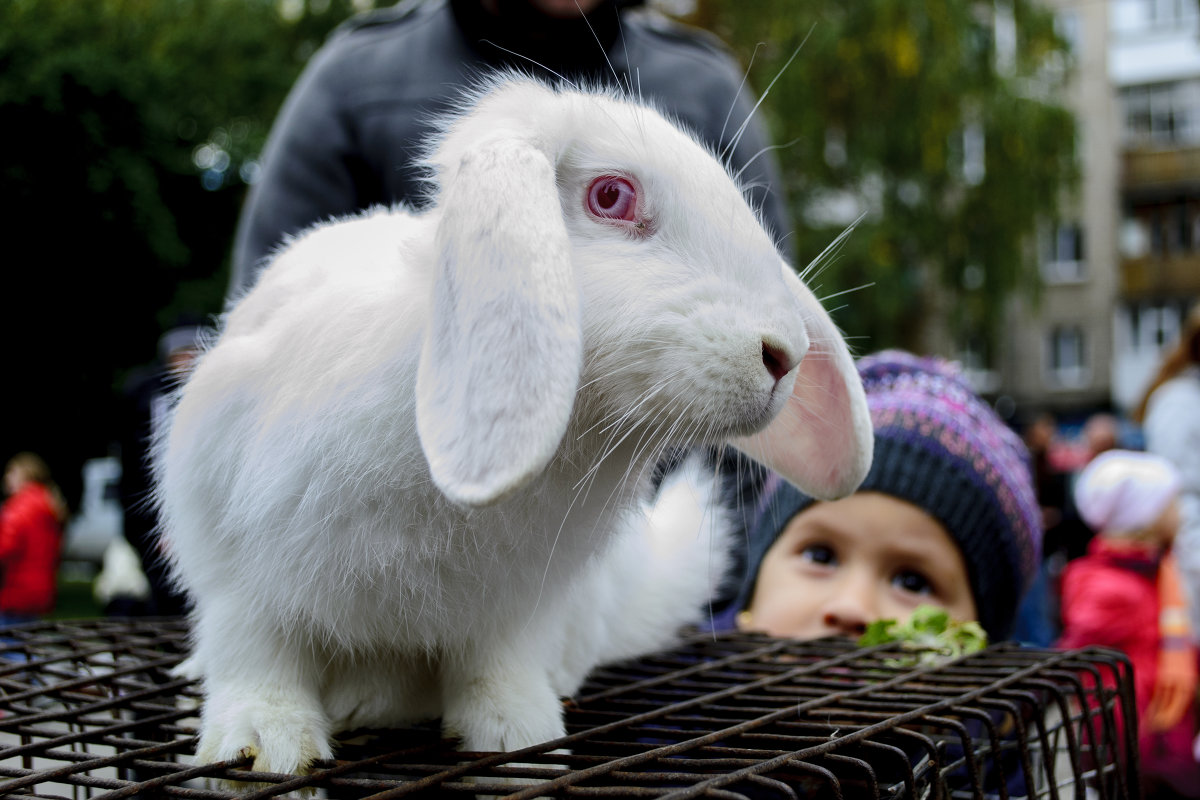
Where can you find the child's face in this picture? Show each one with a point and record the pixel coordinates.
(841, 565)
(1164, 529)
(14, 479)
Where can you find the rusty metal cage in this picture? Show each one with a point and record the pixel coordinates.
(90, 709)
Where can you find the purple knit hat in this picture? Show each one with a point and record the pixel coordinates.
(940, 447)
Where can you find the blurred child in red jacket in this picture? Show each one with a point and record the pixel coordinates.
(30, 540)
(1114, 596)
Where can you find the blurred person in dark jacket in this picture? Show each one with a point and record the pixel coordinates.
(147, 400)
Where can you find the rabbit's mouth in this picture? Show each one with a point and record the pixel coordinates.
(760, 414)
(777, 400)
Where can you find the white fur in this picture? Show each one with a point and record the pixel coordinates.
(409, 479)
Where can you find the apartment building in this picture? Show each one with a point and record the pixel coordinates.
(1122, 267)
(1155, 69)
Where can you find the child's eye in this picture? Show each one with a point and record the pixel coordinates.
(819, 554)
(912, 581)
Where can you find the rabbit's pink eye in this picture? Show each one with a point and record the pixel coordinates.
(611, 197)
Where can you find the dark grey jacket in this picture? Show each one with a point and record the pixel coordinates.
(352, 125)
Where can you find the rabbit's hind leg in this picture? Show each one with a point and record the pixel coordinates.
(380, 690)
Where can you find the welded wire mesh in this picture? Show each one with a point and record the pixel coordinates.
(90, 709)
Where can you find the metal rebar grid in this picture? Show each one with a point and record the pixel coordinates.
(90, 709)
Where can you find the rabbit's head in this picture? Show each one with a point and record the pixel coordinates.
(595, 260)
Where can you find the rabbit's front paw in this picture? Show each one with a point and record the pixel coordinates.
(282, 732)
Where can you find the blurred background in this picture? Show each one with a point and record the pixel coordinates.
(1027, 173)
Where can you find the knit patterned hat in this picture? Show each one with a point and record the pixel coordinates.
(940, 447)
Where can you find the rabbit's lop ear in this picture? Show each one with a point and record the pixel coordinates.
(822, 441)
(503, 351)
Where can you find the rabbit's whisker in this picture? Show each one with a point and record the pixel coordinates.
(618, 415)
(628, 64)
(622, 418)
(535, 62)
(614, 445)
(733, 103)
(550, 558)
(737, 176)
(650, 394)
(600, 44)
(737, 136)
(851, 290)
(820, 262)
(658, 438)
(663, 346)
(711, 513)
(649, 447)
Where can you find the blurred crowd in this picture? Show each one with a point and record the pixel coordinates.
(1121, 553)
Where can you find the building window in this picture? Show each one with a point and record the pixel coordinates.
(1153, 327)
(1067, 357)
(1066, 25)
(1163, 114)
(974, 359)
(1163, 229)
(1062, 254)
(1169, 13)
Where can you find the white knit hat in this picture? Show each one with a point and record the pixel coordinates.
(1122, 491)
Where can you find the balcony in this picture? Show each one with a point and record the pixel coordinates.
(1147, 172)
(1160, 276)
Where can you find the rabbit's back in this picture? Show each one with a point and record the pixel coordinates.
(296, 429)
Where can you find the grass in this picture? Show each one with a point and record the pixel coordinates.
(75, 600)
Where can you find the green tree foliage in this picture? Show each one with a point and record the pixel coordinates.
(127, 126)
(887, 102)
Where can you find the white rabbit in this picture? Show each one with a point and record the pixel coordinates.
(408, 480)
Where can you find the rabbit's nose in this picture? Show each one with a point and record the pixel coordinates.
(777, 360)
